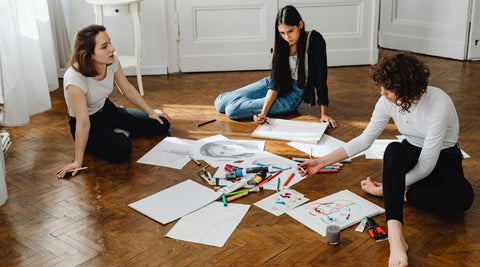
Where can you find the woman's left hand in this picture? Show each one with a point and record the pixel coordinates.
(157, 114)
(331, 122)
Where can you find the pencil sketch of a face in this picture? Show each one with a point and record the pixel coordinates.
(228, 149)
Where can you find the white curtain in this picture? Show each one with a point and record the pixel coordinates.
(27, 59)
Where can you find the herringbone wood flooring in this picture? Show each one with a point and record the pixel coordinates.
(85, 220)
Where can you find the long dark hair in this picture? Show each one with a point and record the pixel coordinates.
(403, 74)
(83, 49)
(282, 76)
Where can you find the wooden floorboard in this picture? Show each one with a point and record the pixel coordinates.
(85, 220)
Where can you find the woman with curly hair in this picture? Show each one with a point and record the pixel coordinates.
(425, 169)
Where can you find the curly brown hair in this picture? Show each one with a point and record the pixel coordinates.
(403, 74)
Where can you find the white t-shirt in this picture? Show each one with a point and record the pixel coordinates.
(292, 61)
(96, 91)
(431, 124)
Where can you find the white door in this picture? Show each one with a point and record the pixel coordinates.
(432, 27)
(222, 35)
(474, 40)
(350, 28)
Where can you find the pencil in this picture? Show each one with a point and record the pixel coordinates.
(194, 160)
(237, 196)
(206, 122)
(255, 114)
(288, 179)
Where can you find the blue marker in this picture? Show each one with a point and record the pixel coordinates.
(224, 199)
(265, 165)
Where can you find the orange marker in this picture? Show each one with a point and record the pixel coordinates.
(288, 179)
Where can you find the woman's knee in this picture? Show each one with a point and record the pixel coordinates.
(121, 150)
(220, 104)
(394, 152)
(118, 148)
(234, 112)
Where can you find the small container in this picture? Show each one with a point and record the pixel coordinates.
(333, 230)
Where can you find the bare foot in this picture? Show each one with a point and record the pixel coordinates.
(398, 245)
(372, 187)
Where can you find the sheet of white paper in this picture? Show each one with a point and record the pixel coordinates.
(348, 207)
(300, 131)
(376, 150)
(171, 152)
(217, 150)
(281, 202)
(266, 159)
(326, 145)
(211, 225)
(175, 202)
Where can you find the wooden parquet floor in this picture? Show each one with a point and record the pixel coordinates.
(85, 220)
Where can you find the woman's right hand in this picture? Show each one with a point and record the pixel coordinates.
(309, 168)
(63, 171)
(259, 118)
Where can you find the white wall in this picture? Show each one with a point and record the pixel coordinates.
(79, 13)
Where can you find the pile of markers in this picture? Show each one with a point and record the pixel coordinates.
(327, 169)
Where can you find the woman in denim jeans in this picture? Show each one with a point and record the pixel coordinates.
(299, 66)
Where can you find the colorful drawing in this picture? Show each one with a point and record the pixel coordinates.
(345, 206)
(281, 202)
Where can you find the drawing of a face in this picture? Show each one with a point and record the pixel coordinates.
(228, 149)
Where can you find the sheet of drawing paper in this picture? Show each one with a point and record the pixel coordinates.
(266, 159)
(281, 202)
(376, 150)
(218, 150)
(348, 207)
(326, 145)
(211, 225)
(175, 202)
(171, 152)
(300, 131)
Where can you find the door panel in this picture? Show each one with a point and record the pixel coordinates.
(432, 27)
(225, 35)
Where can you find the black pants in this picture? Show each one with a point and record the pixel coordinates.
(105, 143)
(445, 189)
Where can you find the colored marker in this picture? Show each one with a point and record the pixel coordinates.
(288, 179)
(273, 167)
(224, 199)
(300, 159)
(237, 196)
(278, 184)
(269, 178)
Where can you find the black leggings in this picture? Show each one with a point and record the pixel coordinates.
(110, 145)
(445, 189)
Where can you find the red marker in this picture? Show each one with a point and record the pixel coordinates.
(288, 179)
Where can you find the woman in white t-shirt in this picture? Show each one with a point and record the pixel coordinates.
(425, 169)
(96, 124)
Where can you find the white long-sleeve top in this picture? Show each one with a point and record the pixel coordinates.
(431, 124)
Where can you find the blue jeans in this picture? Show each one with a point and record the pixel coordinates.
(237, 104)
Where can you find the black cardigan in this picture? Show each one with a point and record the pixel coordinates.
(317, 71)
